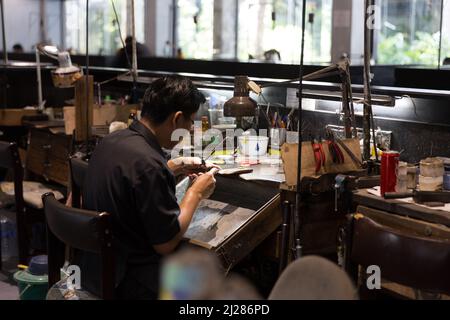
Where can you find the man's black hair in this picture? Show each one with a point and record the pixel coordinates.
(169, 95)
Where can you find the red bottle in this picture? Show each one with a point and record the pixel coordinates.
(389, 170)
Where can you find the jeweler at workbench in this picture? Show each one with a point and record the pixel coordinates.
(130, 178)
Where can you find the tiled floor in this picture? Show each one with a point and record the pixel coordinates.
(8, 287)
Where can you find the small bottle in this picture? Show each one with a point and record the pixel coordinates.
(107, 101)
(132, 117)
(205, 124)
(8, 239)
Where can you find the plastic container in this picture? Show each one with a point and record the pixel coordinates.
(31, 287)
(33, 282)
(277, 138)
(446, 164)
(253, 146)
(292, 137)
(431, 183)
(402, 185)
(214, 116)
(402, 170)
(432, 167)
(447, 168)
(225, 123)
(447, 182)
(8, 238)
(38, 266)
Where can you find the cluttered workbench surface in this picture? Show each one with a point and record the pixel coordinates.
(403, 207)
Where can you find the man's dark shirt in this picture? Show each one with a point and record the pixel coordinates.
(128, 177)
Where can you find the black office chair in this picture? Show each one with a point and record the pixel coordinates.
(405, 253)
(83, 230)
(78, 170)
(313, 278)
(10, 160)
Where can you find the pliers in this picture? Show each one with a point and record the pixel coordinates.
(335, 151)
(319, 154)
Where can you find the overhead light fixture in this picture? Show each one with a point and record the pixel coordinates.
(66, 74)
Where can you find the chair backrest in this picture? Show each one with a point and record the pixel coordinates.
(10, 159)
(404, 257)
(78, 171)
(313, 278)
(80, 229)
(6, 159)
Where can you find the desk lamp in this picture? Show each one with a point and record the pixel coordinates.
(64, 76)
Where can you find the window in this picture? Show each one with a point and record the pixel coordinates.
(445, 52)
(195, 28)
(274, 26)
(410, 32)
(264, 26)
(103, 29)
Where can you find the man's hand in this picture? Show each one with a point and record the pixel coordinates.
(202, 188)
(205, 184)
(188, 166)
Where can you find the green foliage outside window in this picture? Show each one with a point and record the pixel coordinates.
(424, 50)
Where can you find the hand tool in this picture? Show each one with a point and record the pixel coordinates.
(319, 154)
(335, 150)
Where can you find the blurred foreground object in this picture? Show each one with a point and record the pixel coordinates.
(313, 278)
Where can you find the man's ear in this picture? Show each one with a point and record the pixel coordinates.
(177, 120)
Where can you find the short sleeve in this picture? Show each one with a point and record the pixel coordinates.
(157, 205)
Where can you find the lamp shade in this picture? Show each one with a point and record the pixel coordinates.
(241, 105)
(66, 74)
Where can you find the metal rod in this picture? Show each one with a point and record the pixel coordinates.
(236, 30)
(134, 69)
(174, 27)
(367, 80)
(5, 48)
(133, 34)
(300, 139)
(119, 29)
(440, 37)
(285, 235)
(4, 81)
(39, 79)
(87, 76)
(42, 22)
(352, 104)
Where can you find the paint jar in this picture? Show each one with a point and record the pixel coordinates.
(431, 184)
(432, 168)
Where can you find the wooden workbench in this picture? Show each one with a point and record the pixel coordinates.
(419, 220)
(362, 197)
(13, 117)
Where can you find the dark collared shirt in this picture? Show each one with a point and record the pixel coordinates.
(128, 177)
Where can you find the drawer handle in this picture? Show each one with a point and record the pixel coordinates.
(47, 147)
